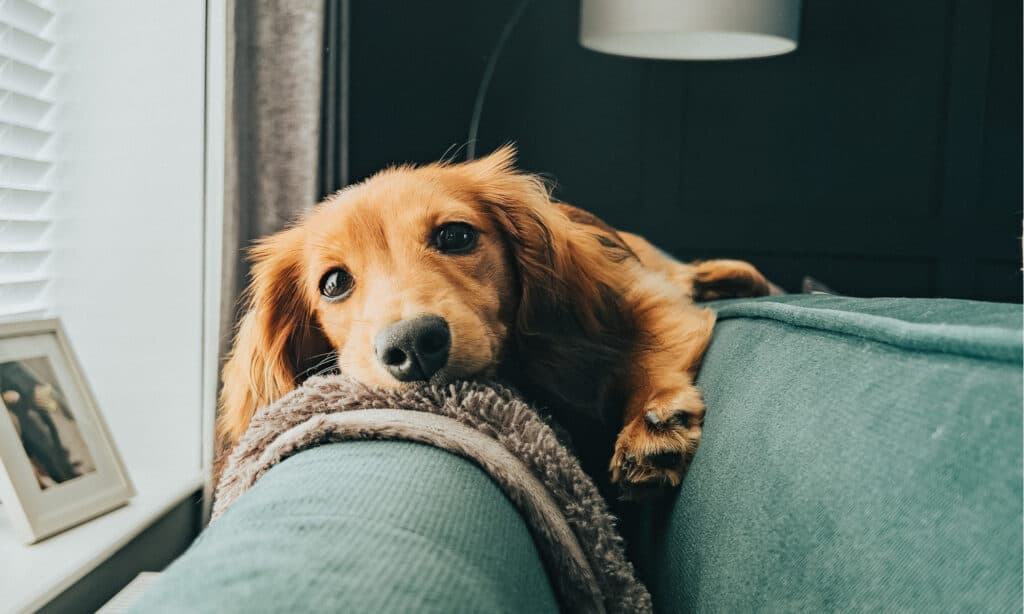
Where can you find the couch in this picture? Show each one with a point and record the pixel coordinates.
(858, 455)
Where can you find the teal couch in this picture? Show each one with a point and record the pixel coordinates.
(858, 455)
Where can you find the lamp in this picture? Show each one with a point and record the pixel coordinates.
(690, 29)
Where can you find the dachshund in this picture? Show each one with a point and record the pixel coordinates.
(470, 270)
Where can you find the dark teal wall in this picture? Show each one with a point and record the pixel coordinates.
(883, 157)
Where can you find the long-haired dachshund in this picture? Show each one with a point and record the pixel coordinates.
(455, 271)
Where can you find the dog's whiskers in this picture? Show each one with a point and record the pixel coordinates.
(328, 359)
(327, 370)
(325, 365)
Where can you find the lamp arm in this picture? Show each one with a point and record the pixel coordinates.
(485, 81)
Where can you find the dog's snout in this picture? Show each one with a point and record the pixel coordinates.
(414, 349)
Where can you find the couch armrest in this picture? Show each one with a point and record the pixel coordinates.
(367, 526)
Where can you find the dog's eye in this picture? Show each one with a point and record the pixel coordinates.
(336, 284)
(455, 238)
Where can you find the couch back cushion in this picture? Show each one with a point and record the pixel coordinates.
(858, 454)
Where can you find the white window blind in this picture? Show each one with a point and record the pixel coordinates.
(26, 164)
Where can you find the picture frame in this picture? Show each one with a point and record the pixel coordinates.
(59, 465)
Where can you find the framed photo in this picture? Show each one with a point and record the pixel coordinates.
(58, 463)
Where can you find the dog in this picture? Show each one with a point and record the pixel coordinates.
(466, 270)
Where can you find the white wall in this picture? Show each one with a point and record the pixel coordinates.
(129, 219)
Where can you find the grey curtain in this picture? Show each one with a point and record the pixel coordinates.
(275, 50)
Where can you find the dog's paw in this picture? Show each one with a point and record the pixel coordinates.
(718, 279)
(654, 449)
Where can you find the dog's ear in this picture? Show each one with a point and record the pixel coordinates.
(520, 205)
(276, 337)
(571, 328)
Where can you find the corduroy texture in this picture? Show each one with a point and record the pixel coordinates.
(308, 416)
(362, 527)
(858, 455)
(561, 550)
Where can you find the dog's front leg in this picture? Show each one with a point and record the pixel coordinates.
(664, 409)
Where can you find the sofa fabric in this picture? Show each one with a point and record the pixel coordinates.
(423, 531)
(858, 455)
(482, 421)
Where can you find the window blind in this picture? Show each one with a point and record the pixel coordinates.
(26, 165)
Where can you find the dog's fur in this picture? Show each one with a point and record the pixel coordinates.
(575, 314)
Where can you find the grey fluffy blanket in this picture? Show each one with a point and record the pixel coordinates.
(485, 423)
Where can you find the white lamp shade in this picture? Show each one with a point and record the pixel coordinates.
(690, 29)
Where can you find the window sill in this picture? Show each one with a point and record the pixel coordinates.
(42, 571)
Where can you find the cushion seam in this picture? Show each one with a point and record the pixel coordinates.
(987, 351)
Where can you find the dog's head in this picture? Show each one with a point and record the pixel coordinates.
(433, 273)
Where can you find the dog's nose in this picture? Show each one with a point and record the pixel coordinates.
(414, 349)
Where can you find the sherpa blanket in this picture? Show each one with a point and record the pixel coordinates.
(486, 423)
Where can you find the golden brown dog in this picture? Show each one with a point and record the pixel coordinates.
(455, 271)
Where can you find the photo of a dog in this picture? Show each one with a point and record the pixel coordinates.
(48, 431)
(456, 271)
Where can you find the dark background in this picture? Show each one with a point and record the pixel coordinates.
(882, 157)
